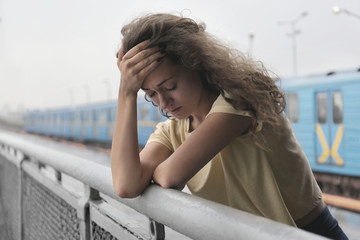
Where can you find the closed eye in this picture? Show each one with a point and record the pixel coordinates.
(152, 94)
(171, 89)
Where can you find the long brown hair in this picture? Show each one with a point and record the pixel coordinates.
(244, 83)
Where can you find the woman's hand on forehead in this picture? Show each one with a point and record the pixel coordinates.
(136, 64)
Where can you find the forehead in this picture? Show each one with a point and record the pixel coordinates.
(165, 71)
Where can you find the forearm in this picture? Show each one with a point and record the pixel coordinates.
(125, 161)
(165, 177)
(199, 148)
(130, 175)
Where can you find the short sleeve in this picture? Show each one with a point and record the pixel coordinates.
(162, 135)
(222, 106)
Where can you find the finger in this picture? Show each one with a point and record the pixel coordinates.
(155, 57)
(120, 54)
(141, 58)
(144, 54)
(149, 68)
(138, 48)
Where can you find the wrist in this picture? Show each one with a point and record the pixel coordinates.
(126, 95)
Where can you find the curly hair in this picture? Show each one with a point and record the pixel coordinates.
(244, 83)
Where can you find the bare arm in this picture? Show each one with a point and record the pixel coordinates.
(130, 175)
(212, 135)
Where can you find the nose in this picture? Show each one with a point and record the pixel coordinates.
(164, 101)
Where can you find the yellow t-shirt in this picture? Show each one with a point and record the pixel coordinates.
(278, 184)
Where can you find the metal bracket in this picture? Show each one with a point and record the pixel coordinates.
(157, 230)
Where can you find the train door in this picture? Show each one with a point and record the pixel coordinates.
(112, 121)
(329, 127)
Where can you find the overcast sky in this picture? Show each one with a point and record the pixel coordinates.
(57, 52)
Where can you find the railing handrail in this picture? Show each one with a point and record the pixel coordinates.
(193, 216)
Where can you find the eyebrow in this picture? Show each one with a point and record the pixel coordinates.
(161, 83)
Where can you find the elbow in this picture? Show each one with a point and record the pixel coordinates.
(165, 183)
(167, 178)
(125, 192)
(170, 182)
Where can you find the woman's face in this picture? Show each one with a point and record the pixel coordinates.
(174, 89)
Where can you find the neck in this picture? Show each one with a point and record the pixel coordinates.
(205, 105)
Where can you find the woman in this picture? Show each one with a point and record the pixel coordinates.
(226, 138)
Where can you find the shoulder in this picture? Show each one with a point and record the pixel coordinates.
(172, 125)
(222, 106)
(170, 133)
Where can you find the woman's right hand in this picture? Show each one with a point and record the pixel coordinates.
(135, 65)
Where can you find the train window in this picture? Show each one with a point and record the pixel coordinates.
(158, 116)
(102, 115)
(293, 107)
(68, 116)
(322, 107)
(86, 116)
(92, 115)
(77, 117)
(112, 114)
(338, 107)
(59, 118)
(53, 118)
(145, 112)
(108, 114)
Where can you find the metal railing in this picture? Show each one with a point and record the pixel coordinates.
(39, 205)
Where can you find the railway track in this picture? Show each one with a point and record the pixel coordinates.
(342, 202)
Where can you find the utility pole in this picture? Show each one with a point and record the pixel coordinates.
(87, 92)
(337, 10)
(106, 81)
(294, 32)
(251, 43)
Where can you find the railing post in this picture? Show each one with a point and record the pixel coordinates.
(157, 230)
(15, 157)
(24, 158)
(90, 194)
(58, 176)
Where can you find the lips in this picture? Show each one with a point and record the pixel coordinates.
(175, 110)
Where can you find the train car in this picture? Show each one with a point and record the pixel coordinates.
(148, 117)
(87, 116)
(324, 111)
(66, 122)
(91, 122)
(104, 121)
(31, 119)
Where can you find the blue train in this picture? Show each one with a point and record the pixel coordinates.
(324, 110)
(89, 123)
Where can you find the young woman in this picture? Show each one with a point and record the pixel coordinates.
(227, 137)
